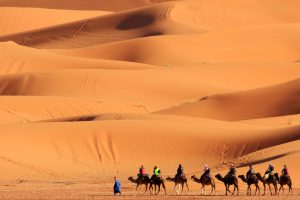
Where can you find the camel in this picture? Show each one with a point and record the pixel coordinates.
(139, 182)
(157, 181)
(204, 182)
(253, 180)
(180, 181)
(229, 180)
(284, 180)
(270, 180)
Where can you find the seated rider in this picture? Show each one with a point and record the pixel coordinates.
(250, 172)
(141, 171)
(285, 171)
(179, 171)
(206, 172)
(232, 171)
(269, 171)
(156, 172)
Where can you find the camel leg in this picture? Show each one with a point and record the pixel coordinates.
(146, 189)
(233, 190)
(182, 185)
(281, 188)
(151, 188)
(264, 189)
(177, 190)
(204, 191)
(187, 186)
(256, 188)
(238, 190)
(163, 185)
(270, 189)
(275, 188)
(291, 189)
(158, 190)
(226, 189)
(212, 189)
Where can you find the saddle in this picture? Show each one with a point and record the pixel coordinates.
(143, 177)
(267, 176)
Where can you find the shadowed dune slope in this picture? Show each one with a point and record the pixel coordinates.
(16, 109)
(142, 22)
(277, 100)
(125, 87)
(19, 59)
(273, 43)
(36, 18)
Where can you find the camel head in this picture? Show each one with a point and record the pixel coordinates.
(242, 177)
(219, 177)
(194, 178)
(259, 176)
(131, 179)
(170, 179)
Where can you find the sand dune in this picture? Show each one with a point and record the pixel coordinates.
(281, 121)
(125, 87)
(93, 148)
(143, 22)
(49, 17)
(15, 109)
(113, 5)
(241, 76)
(19, 59)
(219, 14)
(92, 89)
(277, 43)
(279, 100)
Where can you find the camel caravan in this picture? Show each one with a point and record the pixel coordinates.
(270, 179)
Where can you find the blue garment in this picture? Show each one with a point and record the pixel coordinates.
(117, 187)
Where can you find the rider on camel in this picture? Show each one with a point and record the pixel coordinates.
(142, 172)
(269, 171)
(285, 171)
(179, 171)
(232, 171)
(250, 172)
(206, 172)
(156, 172)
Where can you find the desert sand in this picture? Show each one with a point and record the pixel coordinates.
(92, 89)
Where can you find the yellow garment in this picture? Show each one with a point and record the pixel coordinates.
(156, 172)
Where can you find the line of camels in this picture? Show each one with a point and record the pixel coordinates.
(181, 182)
